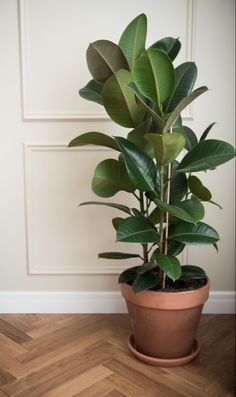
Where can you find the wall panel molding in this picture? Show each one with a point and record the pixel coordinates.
(31, 111)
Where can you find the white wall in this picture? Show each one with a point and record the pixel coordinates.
(47, 243)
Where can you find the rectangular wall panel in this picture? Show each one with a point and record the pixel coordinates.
(54, 37)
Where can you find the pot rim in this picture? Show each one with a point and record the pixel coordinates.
(176, 300)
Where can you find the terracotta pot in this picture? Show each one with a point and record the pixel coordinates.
(164, 324)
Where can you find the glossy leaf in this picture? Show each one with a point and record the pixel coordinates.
(190, 137)
(110, 177)
(105, 58)
(117, 255)
(198, 234)
(155, 216)
(178, 188)
(155, 117)
(154, 75)
(137, 230)
(191, 272)
(175, 247)
(140, 167)
(145, 281)
(185, 77)
(169, 45)
(132, 41)
(182, 105)
(116, 222)
(94, 138)
(206, 155)
(120, 207)
(206, 132)
(198, 189)
(188, 210)
(146, 267)
(169, 265)
(167, 146)
(119, 100)
(92, 92)
(128, 275)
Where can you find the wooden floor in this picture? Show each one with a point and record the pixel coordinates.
(86, 356)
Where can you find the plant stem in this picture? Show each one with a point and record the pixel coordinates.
(142, 209)
(161, 230)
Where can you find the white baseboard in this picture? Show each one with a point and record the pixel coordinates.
(92, 302)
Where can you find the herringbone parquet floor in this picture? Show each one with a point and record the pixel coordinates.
(86, 356)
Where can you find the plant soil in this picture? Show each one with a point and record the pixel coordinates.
(182, 285)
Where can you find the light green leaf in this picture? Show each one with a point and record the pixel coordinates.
(169, 45)
(112, 205)
(206, 155)
(198, 189)
(154, 75)
(169, 265)
(105, 58)
(92, 92)
(110, 177)
(182, 105)
(137, 230)
(117, 255)
(140, 167)
(119, 100)
(132, 41)
(145, 281)
(198, 234)
(167, 146)
(94, 138)
(136, 136)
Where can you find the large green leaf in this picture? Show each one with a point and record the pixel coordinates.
(92, 92)
(94, 138)
(140, 167)
(137, 230)
(206, 155)
(198, 189)
(191, 272)
(105, 58)
(193, 234)
(128, 275)
(112, 205)
(182, 105)
(145, 281)
(167, 146)
(169, 45)
(174, 247)
(169, 265)
(188, 210)
(178, 188)
(206, 132)
(117, 255)
(110, 177)
(132, 41)
(119, 100)
(154, 75)
(185, 77)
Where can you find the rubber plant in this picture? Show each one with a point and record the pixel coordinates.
(141, 89)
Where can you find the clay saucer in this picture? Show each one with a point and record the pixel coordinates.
(163, 362)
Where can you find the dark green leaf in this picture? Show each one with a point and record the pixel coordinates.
(128, 275)
(92, 92)
(113, 205)
(178, 188)
(145, 281)
(175, 247)
(169, 45)
(116, 222)
(185, 77)
(155, 117)
(182, 105)
(119, 100)
(188, 210)
(140, 167)
(137, 230)
(94, 138)
(206, 155)
(193, 234)
(192, 272)
(146, 267)
(132, 41)
(198, 189)
(155, 216)
(190, 137)
(110, 177)
(169, 265)
(206, 132)
(154, 75)
(117, 255)
(105, 58)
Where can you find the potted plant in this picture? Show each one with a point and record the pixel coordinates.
(156, 163)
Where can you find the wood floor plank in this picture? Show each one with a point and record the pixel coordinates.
(47, 355)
